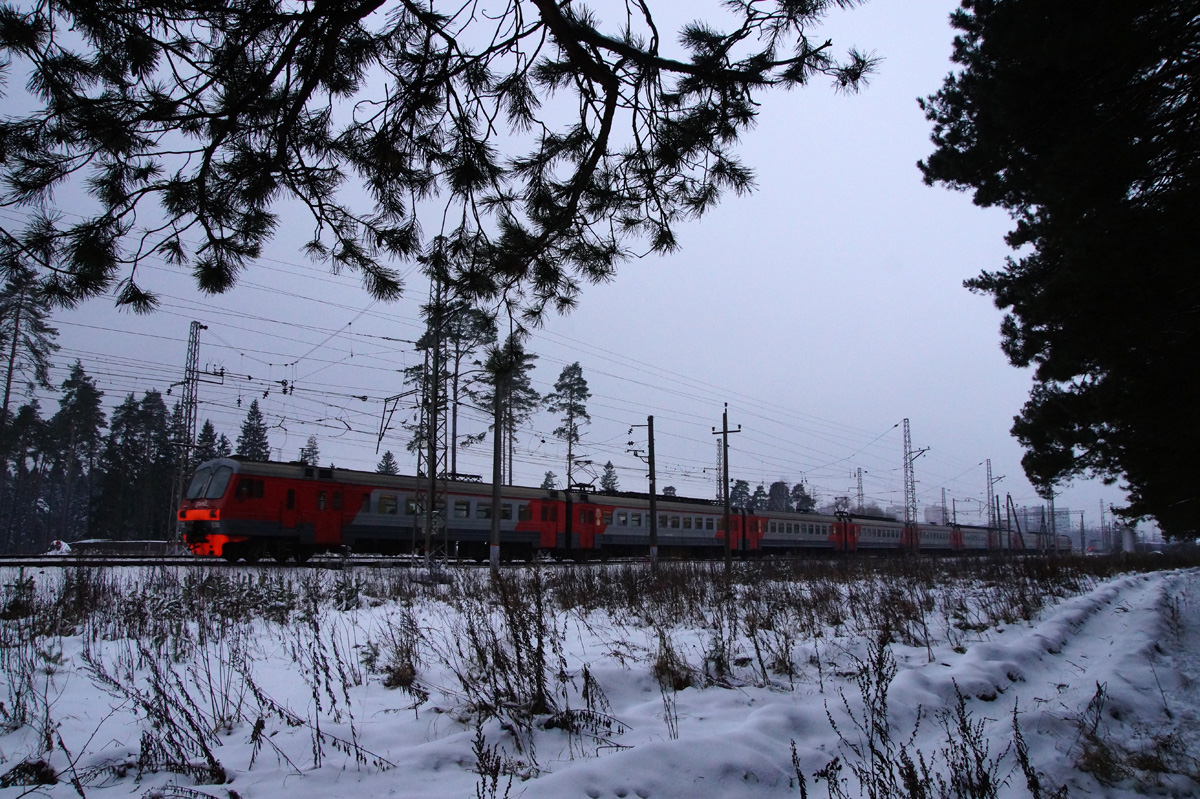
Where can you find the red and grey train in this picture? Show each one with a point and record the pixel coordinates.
(241, 509)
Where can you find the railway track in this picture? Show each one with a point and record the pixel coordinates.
(101, 561)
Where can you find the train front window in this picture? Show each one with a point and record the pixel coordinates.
(210, 483)
(199, 481)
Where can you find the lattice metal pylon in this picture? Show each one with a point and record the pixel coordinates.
(432, 489)
(910, 481)
(188, 406)
(720, 471)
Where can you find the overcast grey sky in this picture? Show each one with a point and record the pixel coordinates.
(825, 308)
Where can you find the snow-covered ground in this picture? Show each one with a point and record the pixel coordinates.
(303, 683)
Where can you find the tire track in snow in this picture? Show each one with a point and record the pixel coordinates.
(1121, 662)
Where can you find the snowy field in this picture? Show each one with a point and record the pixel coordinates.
(908, 678)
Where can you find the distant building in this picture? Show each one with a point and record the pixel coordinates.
(934, 514)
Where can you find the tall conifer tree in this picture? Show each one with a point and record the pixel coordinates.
(253, 442)
(568, 401)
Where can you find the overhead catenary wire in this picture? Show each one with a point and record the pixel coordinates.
(786, 441)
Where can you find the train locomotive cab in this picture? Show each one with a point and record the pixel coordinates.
(240, 509)
(200, 510)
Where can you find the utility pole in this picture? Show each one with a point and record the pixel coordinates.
(724, 433)
(499, 388)
(860, 490)
(992, 521)
(1053, 522)
(433, 490)
(653, 489)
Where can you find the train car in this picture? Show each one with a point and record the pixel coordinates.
(241, 509)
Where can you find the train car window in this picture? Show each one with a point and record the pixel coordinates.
(308, 471)
(243, 488)
(462, 509)
(524, 513)
(608, 517)
(291, 498)
(410, 507)
(635, 520)
(687, 522)
(365, 506)
(710, 523)
(622, 519)
(325, 474)
(674, 522)
(506, 511)
(662, 521)
(218, 483)
(320, 500)
(387, 504)
(483, 510)
(337, 500)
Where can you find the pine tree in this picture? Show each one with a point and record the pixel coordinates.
(76, 440)
(739, 495)
(134, 497)
(23, 518)
(26, 334)
(253, 443)
(608, 480)
(458, 331)
(387, 464)
(549, 481)
(206, 442)
(570, 394)
(224, 446)
(557, 163)
(1080, 119)
(779, 497)
(802, 500)
(669, 491)
(310, 453)
(509, 367)
(759, 499)
(26, 337)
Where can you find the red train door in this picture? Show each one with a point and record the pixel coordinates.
(327, 523)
